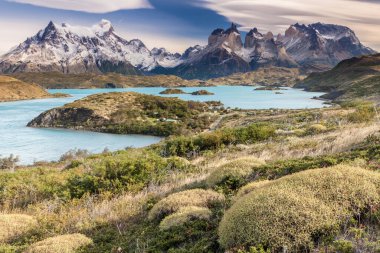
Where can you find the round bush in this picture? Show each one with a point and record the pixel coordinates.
(292, 210)
(176, 201)
(251, 187)
(184, 215)
(60, 244)
(13, 225)
(235, 170)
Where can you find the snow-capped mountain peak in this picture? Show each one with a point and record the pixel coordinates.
(77, 49)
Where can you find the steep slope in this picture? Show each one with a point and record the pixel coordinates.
(320, 46)
(358, 77)
(73, 49)
(12, 89)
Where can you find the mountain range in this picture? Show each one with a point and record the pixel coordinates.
(99, 49)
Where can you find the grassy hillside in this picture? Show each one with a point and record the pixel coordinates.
(353, 78)
(55, 80)
(12, 89)
(263, 181)
(269, 76)
(274, 76)
(131, 113)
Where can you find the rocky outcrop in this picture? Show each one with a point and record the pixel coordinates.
(74, 118)
(264, 51)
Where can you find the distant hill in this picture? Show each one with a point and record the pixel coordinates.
(12, 89)
(58, 80)
(358, 77)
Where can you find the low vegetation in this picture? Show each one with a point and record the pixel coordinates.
(190, 198)
(193, 146)
(260, 181)
(184, 215)
(14, 225)
(60, 244)
(302, 209)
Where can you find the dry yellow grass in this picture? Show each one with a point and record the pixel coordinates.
(289, 211)
(60, 244)
(339, 140)
(176, 201)
(13, 225)
(238, 169)
(184, 215)
(12, 89)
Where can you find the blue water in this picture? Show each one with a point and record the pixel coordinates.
(32, 144)
(244, 97)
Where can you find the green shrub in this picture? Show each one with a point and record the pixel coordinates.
(176, 201)
(259, 249)
(127, 171)
(343, 246)
(363, 113)
(184, 215)
(60, 244)
(13, 225)
(296, 210)
(28, 186)
(188, 146)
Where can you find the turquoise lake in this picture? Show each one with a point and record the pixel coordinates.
(32, 144)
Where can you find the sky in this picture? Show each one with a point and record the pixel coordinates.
(178, 24)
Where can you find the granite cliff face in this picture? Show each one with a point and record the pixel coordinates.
(316, 47)
(264, 51)
(320, 46)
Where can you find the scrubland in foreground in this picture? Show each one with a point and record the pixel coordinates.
(263, 181)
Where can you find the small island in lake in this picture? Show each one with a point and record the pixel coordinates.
(172, 91)
(202, 93)
(269, 88)
(130, 113)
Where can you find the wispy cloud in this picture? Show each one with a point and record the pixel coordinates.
(360, 15)
(91, 6)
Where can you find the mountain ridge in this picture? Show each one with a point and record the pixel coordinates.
(99, 49)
